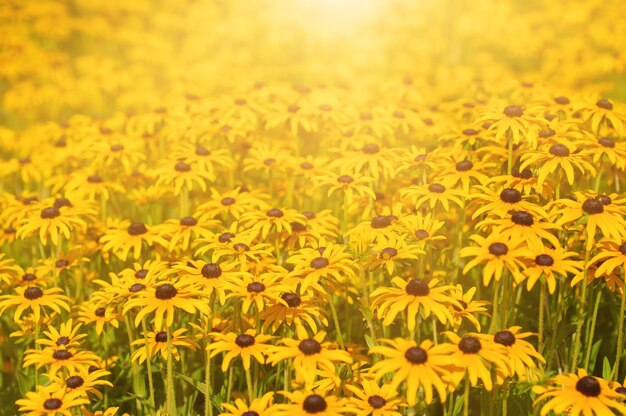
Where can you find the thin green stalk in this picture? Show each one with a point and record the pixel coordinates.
(466, 397)
(37, 348)
(542, 304)
(620, 332)
(229, 387)
(581, 316)
(333, 311)
(249, 385)
(148, 363)
(509, 166)
(592, 330)
(494, 306)
(171, 400)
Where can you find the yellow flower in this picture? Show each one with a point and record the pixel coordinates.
(36, 299)
(262, 406)
(247, 345)
(496, 253)
(48, 401)
(155, 342)
(305, 403)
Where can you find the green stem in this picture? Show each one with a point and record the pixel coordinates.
(171, 400)
(620, 331)
(592, 330)
(466, 397)
(148, 363)
(542, 304)
(333, 311)
(494, 306)
(249, 385)
(509, 166)
(581, 316)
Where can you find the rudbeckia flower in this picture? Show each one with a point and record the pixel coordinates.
(375, 400)
(425, 365)
(560, 155)
(392, 252)
(273, 220)
(468, 307)
(49, 401)
(433, 194)
(130, 236)
(247, 345)
(496, 253)
(91, 312)
(415, 296)
(86, 383)
(50, 222)
(349, 185)
(262, 406)
(183, 176)
(36, 299)
(66, 335)
(305, 403)
(514, 121)
(329, 264)
(548, 263)
(308, 355)
(579, 394)
(72, 360)
(522, 354)
(154, 343)
(292, 310)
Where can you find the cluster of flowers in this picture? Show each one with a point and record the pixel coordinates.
(376, 248)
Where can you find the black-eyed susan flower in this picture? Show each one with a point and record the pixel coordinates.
(262, 406)
(514, 123)
(67, 335)
(230, 204)
(259, 290)
(130, 236)
(35, 299)
(476, 357)
(247, 345)
(330, 264)
(273, 220)
(496, 253)
(94, 313)
(211, 277)
(308, 355)
(415, 297)
(612, 255)
(603, 112)
(49, 223)
(434, 194)
(49, 401)
(579, 394)
(525, 225)
(548, 263)
(392, 252)
(154, 343)
(561, 156)
(501, 202)
(163, 300)
(295, 311)
(55, 359)
(305, 403)
(182, 232)
(183, 176)
(86, 383)
(370, 398)
(521, 352)
(350, 185)
(469, 307)
(424, 229)
(423, 366)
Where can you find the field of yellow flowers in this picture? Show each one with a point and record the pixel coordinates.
(312, 207)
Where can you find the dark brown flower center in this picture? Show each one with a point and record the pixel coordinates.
(100, 312)
(137, 228)
(228, 201)
(33, 293)
(61, 263)
(117, 148)
(606, 200)
(182, 167)
(74, 382)
(522, 218)
(417, 287)
(370, 149)
(274, 213)
(604, 103)
(50, 212)
(469, 345)
(211, 271)
(366, 116)
(559, 150)
(314, 403)
(470, 132)
(436, 188)
(319, 262)
(607, 142)
(188, 221)
(61, 202)
(498, 249)
(513, 111)
(622, 248)
(547, 133)
(588, 386)
(165, 291)
(292, 299)
(244, 340)
(160, 336)
(250, 413)
(256, 287)
(505, 338)
(464, 166)
(225, 237)
(141, 274)
(309, 215)
(376, 401)
(561, 100)
(388, 252)
(525, 174)
(241, 247)
(297, 227)
(593, 206)
(63, 340)
(306, 165)
(621, 390)
(61, 355)
(293, 108)
(510, 196)
(28, 277)
(345, 179)
(309, 346)
(269, 162)
(94, 179)
(421, 234)
(52, 404)
(544, 260)
(202, 151)
(416, 355)
(136, 287)
(381, 221)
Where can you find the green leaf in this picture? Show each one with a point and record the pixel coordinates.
(607, 371)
